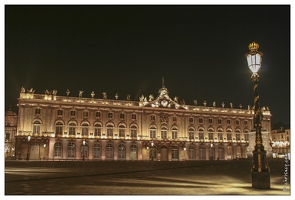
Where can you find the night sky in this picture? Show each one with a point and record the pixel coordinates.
(198, 49)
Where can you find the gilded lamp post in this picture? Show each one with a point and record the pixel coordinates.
(260, 169)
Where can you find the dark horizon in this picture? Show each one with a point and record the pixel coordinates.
(199, 50)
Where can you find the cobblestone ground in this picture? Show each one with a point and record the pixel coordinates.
(139, 178)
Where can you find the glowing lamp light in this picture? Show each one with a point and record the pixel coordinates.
(254, 57)
(29, 138)
(84, 142)
(152, 143)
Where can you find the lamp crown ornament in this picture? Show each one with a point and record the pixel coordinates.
(253, 46)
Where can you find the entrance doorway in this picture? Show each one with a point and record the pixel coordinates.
(164, 153)
(34, 151)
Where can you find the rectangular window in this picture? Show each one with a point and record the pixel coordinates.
(228, 136)
(191, 120)
(37, 111)
(59, 112)
(110, 115)
(122, 116)
(133, 116)
(201, 120)
(246, 137)
(36, 129)
(110, 132)
(245, 122)
(238, 136)
(191, 135)
(237, 122)
(228, 121)
(219, 121)
(201, 136)
(153, 118)
(220, 136)
(133, 133)
(152, 133)
(85, 131)
(97, 114)
(73, 113)
(210, 121)
(163, 134)
(210, 136)
(174, 134)
(58, 130)
(97, 131)
(121, 132)
(72, 130)
(174, 119)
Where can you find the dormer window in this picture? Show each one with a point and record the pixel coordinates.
(97, 114)
(110, 115)
(153, 118)
(37, 111)
(133, 116)
(59, 113)
(73, 113)
(122, 116)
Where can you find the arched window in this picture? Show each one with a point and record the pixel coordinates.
(36, 127)
(174, 133)
(191, 152)
(133, 152)
(133, 131)
(191, 133)
(121, 151)
(109, 150)
(84, 151)
(175, 153)
(59, 128)
(152, 132)
(85, 129)
(110, 129)
(97, 130)
(71, 150)
(164, 133)
(211, 133)
(57, 150)
(201, 133)
(202, 155)
(121, 131)
(96, 151)
(72, 128)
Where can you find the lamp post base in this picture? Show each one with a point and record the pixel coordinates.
(261, 180)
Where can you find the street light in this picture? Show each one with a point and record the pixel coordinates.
(29, 138)
(260, 169)
(83, 149)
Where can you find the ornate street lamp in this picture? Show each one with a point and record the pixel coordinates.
(260, 169)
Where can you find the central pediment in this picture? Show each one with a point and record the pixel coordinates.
(162, 101)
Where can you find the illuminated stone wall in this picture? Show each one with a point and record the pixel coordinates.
(58, 125)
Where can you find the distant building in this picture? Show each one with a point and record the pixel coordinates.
(10, 133)
(280, 141)
(161, 128)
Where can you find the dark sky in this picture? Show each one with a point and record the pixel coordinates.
(198, 49)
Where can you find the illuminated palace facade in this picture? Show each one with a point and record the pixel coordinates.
(52, 127)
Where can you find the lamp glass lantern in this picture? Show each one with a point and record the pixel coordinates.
(254, 57)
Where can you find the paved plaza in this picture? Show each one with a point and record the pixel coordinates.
(139, 178)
